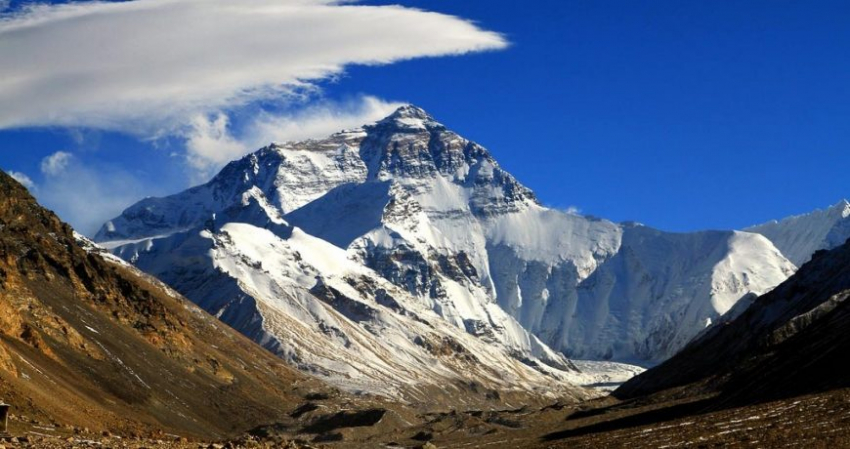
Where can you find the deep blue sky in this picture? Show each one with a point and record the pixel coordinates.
(680, 115)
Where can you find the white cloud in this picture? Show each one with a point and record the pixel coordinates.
(209, 145)
(22, 178)
(56, 163)
(151, 67)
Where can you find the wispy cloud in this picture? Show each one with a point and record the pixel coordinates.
(209, 145)
(150, 67)
(86, 195)
(56, 163)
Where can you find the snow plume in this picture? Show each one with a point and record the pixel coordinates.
(211, 142)
(318, 120)
(166, 62)
(22, 178)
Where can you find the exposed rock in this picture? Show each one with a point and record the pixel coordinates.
(345, 419)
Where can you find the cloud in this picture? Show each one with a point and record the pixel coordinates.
(317, 120)
(86, 196)
(209, 145)
(152, 67)
(22, 178)
(211, 142)
(56, 163)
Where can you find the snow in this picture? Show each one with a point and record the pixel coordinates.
(606, 376)
(408, 207)
(798, 237)
(746, 268)
(355, 342)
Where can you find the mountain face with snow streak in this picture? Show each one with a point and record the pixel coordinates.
(798, 237)
(394, 246)
(791, 341)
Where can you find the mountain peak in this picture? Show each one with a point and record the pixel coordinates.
(844, 207)
(410, 111)
(10, 186)
(410, 117)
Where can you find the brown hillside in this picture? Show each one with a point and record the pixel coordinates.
(89, 343)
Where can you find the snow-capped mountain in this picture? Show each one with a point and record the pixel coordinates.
(798, 237)
(791, 341)
(359, 254)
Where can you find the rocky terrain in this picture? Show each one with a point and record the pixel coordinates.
(820, 420)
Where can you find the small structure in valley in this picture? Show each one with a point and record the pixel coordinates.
(4, 419)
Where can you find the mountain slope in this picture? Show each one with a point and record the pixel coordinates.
(436, 216)
(89, 341)
(798, 237)
(662, 289)
(790, 341)
(304, 300)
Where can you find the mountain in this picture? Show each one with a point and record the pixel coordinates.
(789, 342)
(798, 237)
(87, 340)
(773, 376)
(389, 239)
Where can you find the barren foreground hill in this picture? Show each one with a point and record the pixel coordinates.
(94, 344)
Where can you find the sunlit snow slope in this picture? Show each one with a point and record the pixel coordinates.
(798, 237)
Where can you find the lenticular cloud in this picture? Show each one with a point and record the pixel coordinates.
(149, 66)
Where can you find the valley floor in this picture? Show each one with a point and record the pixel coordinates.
(814, 421)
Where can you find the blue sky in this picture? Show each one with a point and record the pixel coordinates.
(680, 115)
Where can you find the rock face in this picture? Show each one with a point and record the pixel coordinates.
(88, 340)
(402, 243)
(789, 342)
